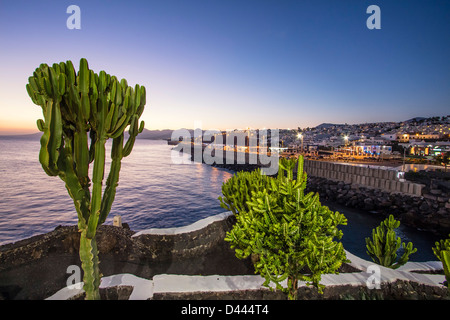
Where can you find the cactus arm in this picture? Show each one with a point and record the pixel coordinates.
(81, 156)
(43, 153)
(76, 191)
(69, 70)
(140, 107)
(383, 246)
(80, 168)
(51, 139)
(55, 127)
(40, 125)
(445, 258)
(405, 257)
(129, 145)
(90, 265)
(97, 183)
(109, 117)
(113, 178)
(98, 172)
(141, 127)
(442, 252)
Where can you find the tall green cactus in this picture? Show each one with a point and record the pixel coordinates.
(383, 246)
(291, 235)
(74, 106)
(442, 252)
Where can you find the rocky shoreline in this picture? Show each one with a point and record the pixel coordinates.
(36, 268)
(430, 212)
(427, 213)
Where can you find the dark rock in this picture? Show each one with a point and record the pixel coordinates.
(415, 211)
(430, 197)
(398, 290)
(36, 268)
(435, 191)
(350, 193)
(368, 204)
(424, 207)
(385, 204)
(444, 223)
(110, 293)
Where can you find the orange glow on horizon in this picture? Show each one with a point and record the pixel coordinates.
(17, 127)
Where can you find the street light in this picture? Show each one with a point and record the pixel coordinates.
(404, 156)
(300, 136)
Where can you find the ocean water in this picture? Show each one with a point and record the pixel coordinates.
(153, 192)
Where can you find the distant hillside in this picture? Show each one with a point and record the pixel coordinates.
(159, 134)
(327, 125)
(155, 134)
(416, 119)
(146, 134)
(35, 136)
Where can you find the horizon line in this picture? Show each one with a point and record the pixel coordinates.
(28, 131)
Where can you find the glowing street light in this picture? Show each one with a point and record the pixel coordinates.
(300, 136)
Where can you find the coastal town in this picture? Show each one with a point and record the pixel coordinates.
(420, 141)
(421, 138)
(375, 167)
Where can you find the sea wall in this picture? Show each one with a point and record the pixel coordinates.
(377, 178)
(376, 190)
(36, 268)
(427, 212)
(198, 268)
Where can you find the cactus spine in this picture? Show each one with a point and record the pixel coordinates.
(383, 246)
(74, 106)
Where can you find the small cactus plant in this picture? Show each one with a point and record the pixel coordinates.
(75, 106)
(290, 235)
(442, 252)
(383, 246)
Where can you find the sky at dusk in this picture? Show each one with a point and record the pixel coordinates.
(239, 63)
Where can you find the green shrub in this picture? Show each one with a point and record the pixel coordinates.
(383, 246)
(442, 252)
(290, 234)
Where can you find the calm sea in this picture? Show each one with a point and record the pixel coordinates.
(153, 192)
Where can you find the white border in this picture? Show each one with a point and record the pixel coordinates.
(144, 289)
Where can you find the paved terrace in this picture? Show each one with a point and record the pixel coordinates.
(144, 289)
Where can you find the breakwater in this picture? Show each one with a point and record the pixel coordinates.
(423, 212)
(377, 178)
(373, 190)
(379, 190)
